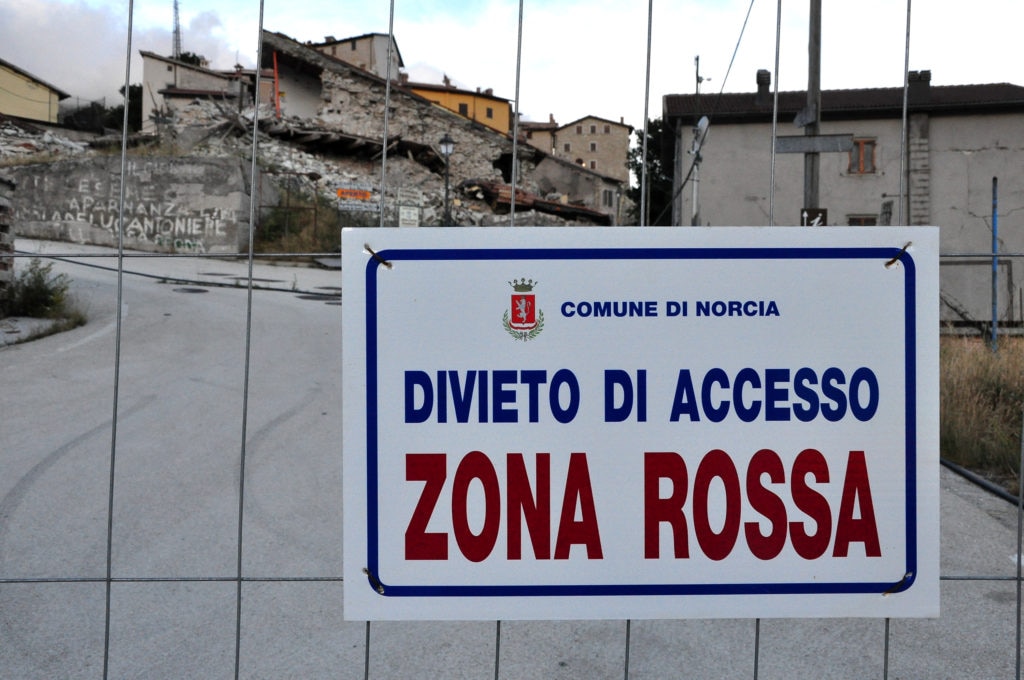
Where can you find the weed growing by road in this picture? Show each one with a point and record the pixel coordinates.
(37, 292)
(982, 398)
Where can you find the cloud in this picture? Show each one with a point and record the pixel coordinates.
(84, 48)
(578, 58)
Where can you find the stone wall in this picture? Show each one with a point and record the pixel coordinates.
(6, 235)
(178, 205)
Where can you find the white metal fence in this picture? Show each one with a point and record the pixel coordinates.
(216, 549)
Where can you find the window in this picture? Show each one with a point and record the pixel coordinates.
(608, 198)
(463, 109)
(579, 129)
(593, 129)
(862, 157)
(593, 146)
(568, 147)
(607, 129)
(862, 220)
(593, 165)
(490, 112)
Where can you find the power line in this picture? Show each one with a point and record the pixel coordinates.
(711, 113)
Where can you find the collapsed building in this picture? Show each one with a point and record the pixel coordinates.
(321, 133)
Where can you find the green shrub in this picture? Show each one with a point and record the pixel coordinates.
(35, 292)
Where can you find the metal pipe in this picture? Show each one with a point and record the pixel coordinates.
(902, 217)
(995, 264)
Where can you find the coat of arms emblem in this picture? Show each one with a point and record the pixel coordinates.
(523, 320)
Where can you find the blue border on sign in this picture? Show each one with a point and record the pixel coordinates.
(883, 254)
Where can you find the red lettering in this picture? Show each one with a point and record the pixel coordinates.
(522, 505)
(419, 543)
(810, 546)
(716, 465)
(848, 529)
(578, 493)
(657, 466)
(769, 505)
(476, 547)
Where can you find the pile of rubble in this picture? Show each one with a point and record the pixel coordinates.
(298, 158)
(21, 140)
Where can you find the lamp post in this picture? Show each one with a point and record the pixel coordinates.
(447, 145)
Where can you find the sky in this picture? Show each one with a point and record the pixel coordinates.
(578, 57)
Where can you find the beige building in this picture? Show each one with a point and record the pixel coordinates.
(959, 139)
(169, 86)
(24, 96)
(368, 52)
(594, 143)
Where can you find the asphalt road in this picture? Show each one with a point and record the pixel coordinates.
(180, 400)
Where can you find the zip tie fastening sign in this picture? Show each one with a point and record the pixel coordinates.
(899, 584)
(376, 256)
(377, 585)
(896, 259)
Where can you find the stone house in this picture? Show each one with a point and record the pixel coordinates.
(342, 105)
(595, 143)
(959, 138)
(369, 52)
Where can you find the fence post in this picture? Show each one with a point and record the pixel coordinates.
(995, 264)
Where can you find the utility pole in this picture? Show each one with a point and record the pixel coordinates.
(812, 161)
(698, 131)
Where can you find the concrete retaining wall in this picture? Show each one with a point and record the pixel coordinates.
(6, 235)
(182, 205)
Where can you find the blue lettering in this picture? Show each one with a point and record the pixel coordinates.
(564, 377)
(685, 401)
(867, 377)
(414, 414)
(502, 396)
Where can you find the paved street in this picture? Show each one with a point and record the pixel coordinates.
(180, 402)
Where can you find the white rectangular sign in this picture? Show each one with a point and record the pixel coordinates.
(640, 423)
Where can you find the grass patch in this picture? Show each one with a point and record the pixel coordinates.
(982, 397)
(37, 293)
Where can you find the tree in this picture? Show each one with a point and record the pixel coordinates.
(659, 174)
(113, 116)
(192, 58)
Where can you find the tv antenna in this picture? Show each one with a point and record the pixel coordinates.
(176, 49)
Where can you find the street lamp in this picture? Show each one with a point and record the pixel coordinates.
(447, 146)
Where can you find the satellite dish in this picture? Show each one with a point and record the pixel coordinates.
(700, 133)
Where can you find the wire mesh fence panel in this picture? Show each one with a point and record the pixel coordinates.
(170, 472)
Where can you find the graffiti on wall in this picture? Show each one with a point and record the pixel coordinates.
(160, 210)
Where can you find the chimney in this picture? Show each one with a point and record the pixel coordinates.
(551, 118)
(919, 84)
(764, 83)
(330, 38)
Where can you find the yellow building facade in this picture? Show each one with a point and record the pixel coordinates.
(24, 96)
(480, 106)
